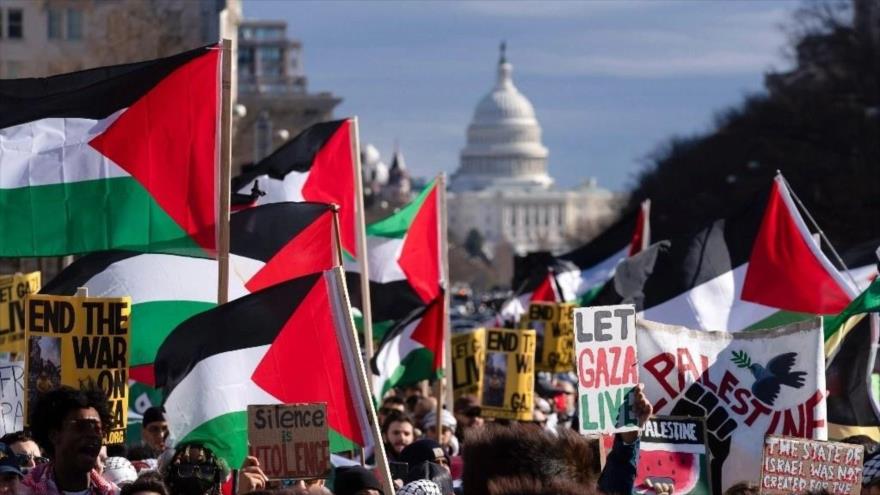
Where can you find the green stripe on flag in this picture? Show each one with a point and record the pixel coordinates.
(416, 366)
(866, 302)
(587, 297)
(226, 436)
(87, 216)
(154, 321)
(778, 319)
(398, 224)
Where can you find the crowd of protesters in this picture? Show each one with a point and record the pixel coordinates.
(62, 453)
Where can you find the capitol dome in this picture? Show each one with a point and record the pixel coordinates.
(503, 141)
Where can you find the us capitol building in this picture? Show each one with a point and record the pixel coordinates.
(502, 189)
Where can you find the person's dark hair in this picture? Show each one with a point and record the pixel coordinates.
(865, 441)
(393, 400)
(396, 416)
(140, 453)
(15, 437)
(432, 472)
(528, 455)
(519, 485)
(52, 407)
(743, 488)
(116, 450)
(151, 481)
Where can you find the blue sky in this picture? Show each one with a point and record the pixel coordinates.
(610, 80)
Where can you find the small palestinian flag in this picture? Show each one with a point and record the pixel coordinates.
(269, 244)
(403, 252)
(740, 272)
(317, 165)
(292, 342)
(119, 157)
(411, 351)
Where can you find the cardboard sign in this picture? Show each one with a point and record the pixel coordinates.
(12, 396)
(467, 360)
(747, 385)
(82, 342)
(508, 384)
(13, 289)
(291, 441)
(795, 465)
(607, 368)
(555, 340)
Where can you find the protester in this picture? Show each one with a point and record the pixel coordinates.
(446, 437)
(193, 469)
(356, 480)
(432, 472)
(26, 450)
(743, 488)
(101, 460)
(424, 450)
(69, 425)
(398, 431)
(154, 431)
(865, 441)
(119, 471)
(390, 404)
(420, 487)
(10, 472)
(468, 414)
(142, 458)
(149, 483)
(871, 476)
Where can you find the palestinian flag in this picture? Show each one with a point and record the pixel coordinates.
(739, 273)
(317, 165)
(403, 253)
(292, 342)
(579, 274)
(411, 351)
(269, 244)
(119, 157)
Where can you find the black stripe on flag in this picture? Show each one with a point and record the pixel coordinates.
(260, 233)
(82, 270)
(388, 302)
(90, 94)
(296, 155)
(251, 321)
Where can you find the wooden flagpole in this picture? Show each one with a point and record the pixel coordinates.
(444, 285)
(337, 239)
(361, 231)
(225, 172)
(354, 355)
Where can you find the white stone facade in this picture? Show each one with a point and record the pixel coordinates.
(502, 188)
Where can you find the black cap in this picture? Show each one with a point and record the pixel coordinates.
(420, 451)
(153, 414)
(8, 461)
(352, 479)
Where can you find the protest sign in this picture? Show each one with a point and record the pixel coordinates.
(607, 368)
(467, 360)
(291, 441)
(746, 385)
(508, 384)
(11, 396)
(795, 465)
(551, 322)
(82, 342)
(13, 289)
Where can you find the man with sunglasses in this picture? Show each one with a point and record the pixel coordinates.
(10, 473)
(25, 449)
(69, 424)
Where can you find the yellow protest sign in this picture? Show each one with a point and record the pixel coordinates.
(13, 289)
(82, 342)
(552, 324)
(508, 384)
(467, 360)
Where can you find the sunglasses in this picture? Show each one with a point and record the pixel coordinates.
(203, 471)
(86, 426)
(24, 459)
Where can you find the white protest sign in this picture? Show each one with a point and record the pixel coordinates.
(607, 368)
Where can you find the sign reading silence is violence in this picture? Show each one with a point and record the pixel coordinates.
(81, 342)
(290, 441)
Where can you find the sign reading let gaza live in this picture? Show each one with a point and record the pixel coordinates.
(607, 367)
(82, 342)
(13, 290)
(290, 441)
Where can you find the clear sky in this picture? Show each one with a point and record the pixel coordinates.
(610, 80)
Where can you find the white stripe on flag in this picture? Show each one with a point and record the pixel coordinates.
(601, 272)
(383, 255)
(278, 191)
(54, 151)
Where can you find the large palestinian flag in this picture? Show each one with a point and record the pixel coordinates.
(292, 342)
(119, 157)
(411, 351)
(316, 165)
(269, 244)
(403, 252)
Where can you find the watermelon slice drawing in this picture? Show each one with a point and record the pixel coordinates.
(682, 469)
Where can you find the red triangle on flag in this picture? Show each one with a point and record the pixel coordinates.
(545, 292)
(786, 269)
(331, 180)
(305, 364)
(420, 255)
(429, 331)
(167, 141)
